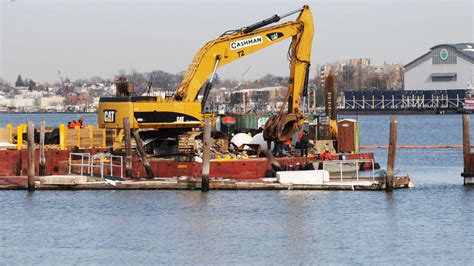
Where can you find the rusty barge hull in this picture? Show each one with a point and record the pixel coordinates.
(14, 163)
(245, 174)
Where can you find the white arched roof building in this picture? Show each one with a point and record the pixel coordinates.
(445, 66)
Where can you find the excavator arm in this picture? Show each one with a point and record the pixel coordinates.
(283, 126)
(246, 41)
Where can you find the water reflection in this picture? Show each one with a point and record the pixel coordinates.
(298, 230)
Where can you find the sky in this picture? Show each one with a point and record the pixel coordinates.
(100, 38)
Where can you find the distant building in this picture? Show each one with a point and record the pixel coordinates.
(23, 104)
(365, 62)
(444, 67)
(45, 102)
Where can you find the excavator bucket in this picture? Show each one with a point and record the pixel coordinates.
(282, 127)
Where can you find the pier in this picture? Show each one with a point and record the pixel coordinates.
(408, 101)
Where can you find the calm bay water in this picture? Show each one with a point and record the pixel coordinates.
(52, 120)
(431, 224)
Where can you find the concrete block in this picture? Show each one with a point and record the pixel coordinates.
(63, 180)
(308, 177)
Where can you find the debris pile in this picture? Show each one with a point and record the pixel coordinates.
(244, 146)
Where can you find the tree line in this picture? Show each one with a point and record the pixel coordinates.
(20, 82)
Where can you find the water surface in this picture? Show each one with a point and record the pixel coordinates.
(431, 224)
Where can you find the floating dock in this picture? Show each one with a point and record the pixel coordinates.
(75, 182)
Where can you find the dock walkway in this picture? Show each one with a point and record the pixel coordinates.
(76, 182)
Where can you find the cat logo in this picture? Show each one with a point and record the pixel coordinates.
(274, 35)
(109, 116)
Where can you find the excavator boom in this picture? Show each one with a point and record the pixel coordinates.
(246, 41)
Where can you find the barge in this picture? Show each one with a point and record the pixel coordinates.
(246, 174)
(84, 158)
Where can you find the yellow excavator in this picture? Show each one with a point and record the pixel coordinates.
(183, 110)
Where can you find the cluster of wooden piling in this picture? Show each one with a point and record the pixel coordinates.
(31, 153)
(468, 156)
(30, 130)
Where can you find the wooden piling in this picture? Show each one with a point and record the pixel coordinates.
(206, 156)
(466, 134)
(42, 157)
(31, 156)
(128, 147)
(392, 148)
(466, 140)
(142, 153)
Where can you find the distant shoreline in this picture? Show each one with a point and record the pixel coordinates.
(339, 112)
(25, 113)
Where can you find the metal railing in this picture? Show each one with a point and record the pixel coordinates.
(111, 165)
(345, 168)
(99, 161)
(84, 157)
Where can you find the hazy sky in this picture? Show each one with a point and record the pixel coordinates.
(99, 38)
